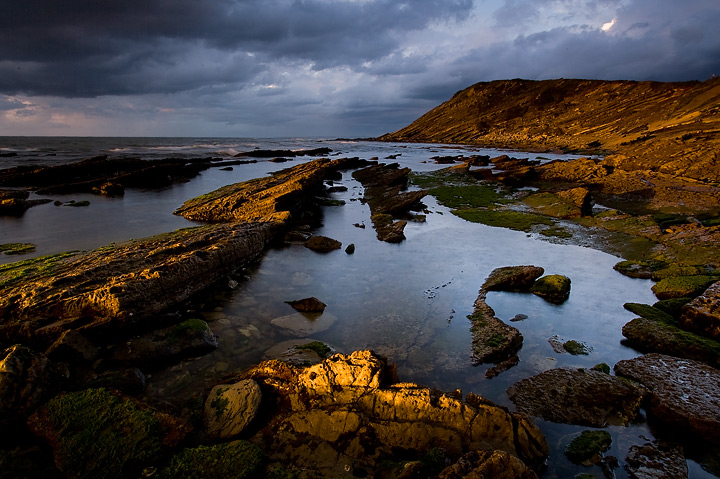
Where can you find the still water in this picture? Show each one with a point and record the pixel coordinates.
(407, 301)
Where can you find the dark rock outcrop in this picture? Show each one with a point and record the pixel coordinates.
(274, 198)
(385, 195)
(578, 396)
(488, 464)
(685, 393)
(322, 244)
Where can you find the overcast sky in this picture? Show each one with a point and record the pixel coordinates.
(329, 68)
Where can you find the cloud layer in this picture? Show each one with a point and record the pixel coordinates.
(317, 67)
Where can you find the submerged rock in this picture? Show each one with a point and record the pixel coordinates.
(656, 460)
(166, 346)
(488, 464)
(578, 396)
(229, 408)
(588, 447)
(685, 393)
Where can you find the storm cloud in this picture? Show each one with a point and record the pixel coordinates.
(317, 67)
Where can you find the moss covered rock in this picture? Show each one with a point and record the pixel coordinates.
(588, 447)
(649, 312)
(512, 278)
(96, 433)
(234, 460)
(554, 288)
(672, 306)
(639, 269)
(682, 286)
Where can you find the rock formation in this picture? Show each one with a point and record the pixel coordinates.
(347, 412)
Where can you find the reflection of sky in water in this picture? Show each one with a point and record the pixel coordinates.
(407, 301)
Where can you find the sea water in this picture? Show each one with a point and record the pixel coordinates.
(406, 301)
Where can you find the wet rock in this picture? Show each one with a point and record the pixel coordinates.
(390, 232)
(160, 348)
(656, 460)
(554, 288)
(488, 464)
(702, 314)
(27, 379)
(99, 433)
(639, 269)
(494, 341)
(588, 448)
(578, 396)
(512, 278)
(308, 305)
(110, 189)
(685, 393)
(112, 289)
(322, 244)
(229, 408)
(656, 336)
(129, 381)
(384, 185)
(304, 324)
(349, 410)
(350, 248)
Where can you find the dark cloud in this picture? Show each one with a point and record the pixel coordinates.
(89, 48)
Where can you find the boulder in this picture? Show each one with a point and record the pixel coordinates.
(100, 433)
(580, 197)
(512, 278)
(230, 408)
(308, 305)
(554, 288)
(656, 460)
(702, 314)
(578, 396)
(488, 464)
(72, 347)
(322, 244)
(190, 338)
(27, 379)
(392, 232)
(684, 393)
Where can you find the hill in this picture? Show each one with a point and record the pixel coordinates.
(670, 128)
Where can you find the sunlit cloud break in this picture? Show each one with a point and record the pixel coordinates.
(607, 26)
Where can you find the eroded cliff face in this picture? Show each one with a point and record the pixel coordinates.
(670, 128)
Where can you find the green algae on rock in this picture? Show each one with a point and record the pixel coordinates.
(96, 433)
(682, 286)
(554, 288)
(514, 220)
(588, 447)
(233, 460)
(17, 248)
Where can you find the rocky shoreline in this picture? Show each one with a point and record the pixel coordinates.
(84, 329)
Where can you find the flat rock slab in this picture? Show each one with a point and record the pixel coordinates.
(685, 393)
(656, 461)
(512, 278)
(578, 396)
(112, 288)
